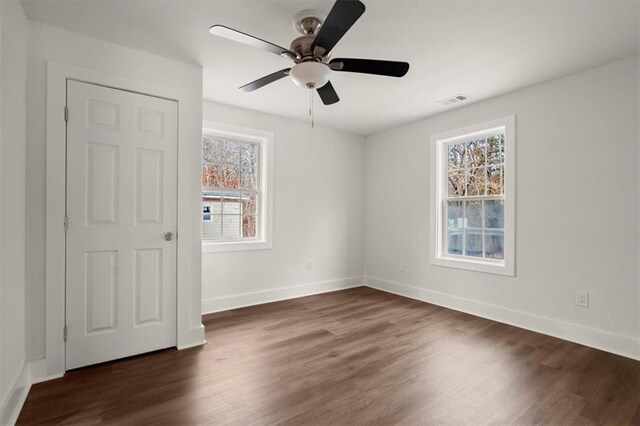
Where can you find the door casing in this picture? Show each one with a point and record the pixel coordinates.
(190, 331)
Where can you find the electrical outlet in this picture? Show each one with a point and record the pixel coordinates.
(582, 299)
(309, 265)
(402, 267)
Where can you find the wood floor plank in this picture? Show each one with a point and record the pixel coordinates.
(357, 356)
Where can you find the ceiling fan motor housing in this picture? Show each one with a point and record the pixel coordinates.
(302, 46)
(308, 23)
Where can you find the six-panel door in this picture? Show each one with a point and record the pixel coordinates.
(121, 205)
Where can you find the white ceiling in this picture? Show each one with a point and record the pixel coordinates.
(477, 48)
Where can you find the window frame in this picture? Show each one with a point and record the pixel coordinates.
(439, 197)
(264, 213)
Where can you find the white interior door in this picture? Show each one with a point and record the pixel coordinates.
(121, 205)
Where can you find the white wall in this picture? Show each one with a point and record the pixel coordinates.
(51, 43)
(576, 214)
(318, 211)
(13, 87)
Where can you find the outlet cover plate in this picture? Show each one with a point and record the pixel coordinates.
(582, 299)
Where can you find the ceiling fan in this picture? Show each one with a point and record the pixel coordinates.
(311, 52)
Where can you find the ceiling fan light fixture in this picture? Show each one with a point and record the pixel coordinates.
(310, 75)
(312, 51)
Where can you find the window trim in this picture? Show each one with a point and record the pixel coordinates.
(264, 240)
(438, 186)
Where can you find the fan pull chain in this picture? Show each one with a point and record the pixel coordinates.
(311, 106)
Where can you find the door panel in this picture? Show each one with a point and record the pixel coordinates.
(148, 270)
(102, 183)
(149, 191)
(101, 286)
(121, 200)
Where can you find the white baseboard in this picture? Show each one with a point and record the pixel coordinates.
(38, 371)
(241, 300)
(626, 346)
(10, 409)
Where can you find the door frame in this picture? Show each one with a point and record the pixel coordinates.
(189, 329)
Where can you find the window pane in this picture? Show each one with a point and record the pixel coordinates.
(456, 183)
(230, 177)
(212, 229)
(211, 175)
(249, 227)
(230, 152)
(495, 149)
(230, 193)
(249, 155)
(231, 227)
(249, 203)
(231, 204)
(473, 243)
(494, 214)
(455, 241)
(475, 221)
(249, 178)
(210, 206)
(211, 149)
(476, 153)
(494, 245)
(456, 156)
(473, 214)
(455, 214)
(476, 181)
(495, 185)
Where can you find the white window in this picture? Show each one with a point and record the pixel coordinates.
(236, 188)
(472, 197)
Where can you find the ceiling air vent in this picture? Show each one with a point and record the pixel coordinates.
(452, 100)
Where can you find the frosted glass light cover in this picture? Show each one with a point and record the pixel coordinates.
(310, 75)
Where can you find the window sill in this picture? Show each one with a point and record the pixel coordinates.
(486, 266)
(208, 247)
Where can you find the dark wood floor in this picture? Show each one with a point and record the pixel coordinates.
(355, 356)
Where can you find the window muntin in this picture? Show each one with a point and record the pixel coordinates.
(231, 189)
(474, 200)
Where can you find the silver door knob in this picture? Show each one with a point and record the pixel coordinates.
(168, 236)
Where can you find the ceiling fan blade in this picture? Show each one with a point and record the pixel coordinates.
(250, 87)
(328, 94)
(370, 66)
(249, 40)
(342, 16)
